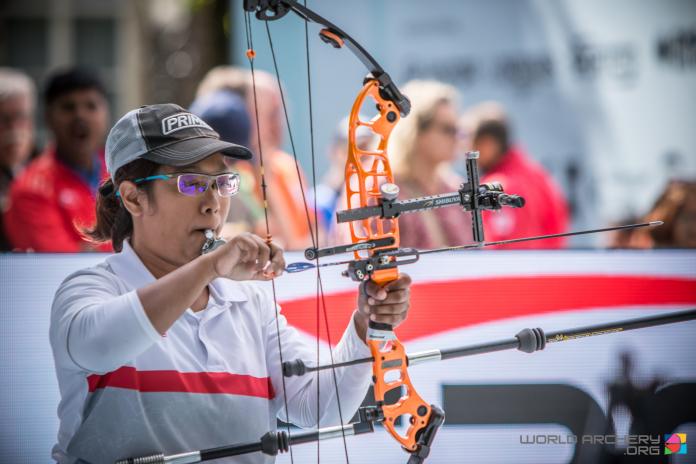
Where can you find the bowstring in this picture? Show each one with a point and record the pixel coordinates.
(314, 234)
(320, 284)
(250, 56)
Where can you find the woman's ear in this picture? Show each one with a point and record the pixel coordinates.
(134, 200)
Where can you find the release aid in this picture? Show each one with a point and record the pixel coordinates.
(211, 242)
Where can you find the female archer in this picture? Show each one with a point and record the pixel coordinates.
(164, 348)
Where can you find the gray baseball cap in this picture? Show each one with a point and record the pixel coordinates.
(166, 134)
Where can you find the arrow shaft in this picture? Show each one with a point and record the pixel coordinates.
(299, 267)
(541, 237)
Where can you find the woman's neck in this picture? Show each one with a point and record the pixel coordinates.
(159, 267)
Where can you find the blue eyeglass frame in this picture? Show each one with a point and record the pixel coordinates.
(176, 175)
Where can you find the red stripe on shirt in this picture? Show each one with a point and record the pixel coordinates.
(183, 382)
(448, 305)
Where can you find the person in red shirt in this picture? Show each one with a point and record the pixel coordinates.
(17, 107)
(545, 211)
(53, 199)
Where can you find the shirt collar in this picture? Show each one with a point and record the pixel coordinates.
(128, 266)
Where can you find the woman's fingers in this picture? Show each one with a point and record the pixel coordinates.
(393, 297)
(388, 304)
(277, 260)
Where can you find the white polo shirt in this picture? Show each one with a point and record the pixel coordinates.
(214, 379)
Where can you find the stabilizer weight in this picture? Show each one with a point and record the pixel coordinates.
(293, 368)
(274, 442)
(531, 340)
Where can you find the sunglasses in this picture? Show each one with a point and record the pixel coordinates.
(192, 184)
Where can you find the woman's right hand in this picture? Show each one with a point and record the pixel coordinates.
(248, 257)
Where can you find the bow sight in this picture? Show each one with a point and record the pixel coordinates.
(471, 196)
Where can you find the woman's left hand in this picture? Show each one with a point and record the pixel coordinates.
(388, 304)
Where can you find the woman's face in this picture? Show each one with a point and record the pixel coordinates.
(172, 225)
(437, 142)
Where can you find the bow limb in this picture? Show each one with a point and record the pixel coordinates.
(270, 10)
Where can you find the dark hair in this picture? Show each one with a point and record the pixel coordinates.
(114, 222)
(496, 129)
(70, 80)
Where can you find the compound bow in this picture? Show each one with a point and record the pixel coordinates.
(372, 215)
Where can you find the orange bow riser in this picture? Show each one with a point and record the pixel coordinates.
(367, 172)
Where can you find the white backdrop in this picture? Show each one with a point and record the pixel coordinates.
(449, 292)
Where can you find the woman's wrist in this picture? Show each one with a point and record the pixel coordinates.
(208, 268)
(361, 322)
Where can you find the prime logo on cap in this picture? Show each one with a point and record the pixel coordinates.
(166, 134)
(182, 121)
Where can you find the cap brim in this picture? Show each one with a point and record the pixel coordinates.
(192, 150)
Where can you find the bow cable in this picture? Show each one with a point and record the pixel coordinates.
(321, 301)
(251, 54)
(320, 285)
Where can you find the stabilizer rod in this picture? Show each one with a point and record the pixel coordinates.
(527, 340)
(270, 443)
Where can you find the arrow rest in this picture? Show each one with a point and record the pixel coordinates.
(362, 269)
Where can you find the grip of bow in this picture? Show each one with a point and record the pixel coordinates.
(366, 171)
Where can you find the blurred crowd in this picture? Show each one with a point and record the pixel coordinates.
(47, 196)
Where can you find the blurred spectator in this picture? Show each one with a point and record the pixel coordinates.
(226, 112)
(17, 104)
(676, 206)
(487, 131)
(422, 148)
(54, 197)
(232, 78)
(332, 185)
(287, 214)
(629, 238)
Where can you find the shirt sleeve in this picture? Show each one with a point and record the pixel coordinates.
(347, 392)
(94, 327)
